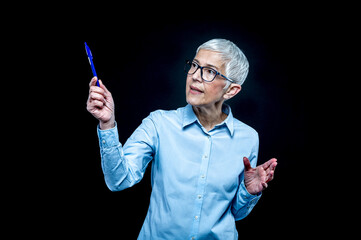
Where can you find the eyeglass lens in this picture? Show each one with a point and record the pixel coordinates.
(207, 74)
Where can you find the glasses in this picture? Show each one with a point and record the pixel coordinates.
(207, 74)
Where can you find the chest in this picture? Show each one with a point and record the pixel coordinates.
(193, 157)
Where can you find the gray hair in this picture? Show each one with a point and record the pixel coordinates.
(236, 62)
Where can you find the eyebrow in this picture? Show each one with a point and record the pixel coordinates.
(207, 65)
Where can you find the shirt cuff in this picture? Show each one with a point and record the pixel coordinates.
(109, 137)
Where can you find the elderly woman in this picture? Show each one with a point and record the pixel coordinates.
(204, 175)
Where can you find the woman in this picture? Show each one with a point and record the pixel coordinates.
(200, 185)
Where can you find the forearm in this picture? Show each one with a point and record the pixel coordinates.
(113, 162)
(124, 166)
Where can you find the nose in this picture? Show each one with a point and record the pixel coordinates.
(197, 75)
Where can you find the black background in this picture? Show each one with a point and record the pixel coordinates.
(62, 190)
(144, 72)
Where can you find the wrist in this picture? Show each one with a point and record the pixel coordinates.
(107, 125)
(251, 190)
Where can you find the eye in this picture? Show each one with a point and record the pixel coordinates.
(210, 71)
(194, 65)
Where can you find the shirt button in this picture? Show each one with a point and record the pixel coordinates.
(205, 156)
(103, 141)
(203, 176)
(196, 217)
(193, 238)
(199, 196)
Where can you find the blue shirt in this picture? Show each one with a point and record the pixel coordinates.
(197, 176)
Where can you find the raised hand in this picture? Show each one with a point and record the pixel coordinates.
(100, 104)
(256, 179)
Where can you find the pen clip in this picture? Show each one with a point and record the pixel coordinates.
(88, 53)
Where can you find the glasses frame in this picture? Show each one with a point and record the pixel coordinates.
(189, 62)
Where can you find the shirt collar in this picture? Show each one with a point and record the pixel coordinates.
(190, 117)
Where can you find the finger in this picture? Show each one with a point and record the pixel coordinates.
(93, 81)
(97, 104)
(96, 89)
(267, 164)
(270, 176)
(271, 168)
(106, 91)
(94, 106)
(96, 96)
(247, 164)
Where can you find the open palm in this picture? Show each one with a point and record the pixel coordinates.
(256, 179)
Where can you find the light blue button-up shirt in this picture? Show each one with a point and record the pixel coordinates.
(197, 177)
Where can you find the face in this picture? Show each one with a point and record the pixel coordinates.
(200, 93)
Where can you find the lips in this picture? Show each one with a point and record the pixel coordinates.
(195, 90)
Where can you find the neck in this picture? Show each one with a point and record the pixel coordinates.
(210, 116)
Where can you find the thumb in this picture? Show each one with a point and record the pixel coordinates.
(93, 81)
(247, 164)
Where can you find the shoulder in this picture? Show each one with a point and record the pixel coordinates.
(161, 116)
(160, 113)
(242, 128)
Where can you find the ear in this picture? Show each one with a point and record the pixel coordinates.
(232, 91)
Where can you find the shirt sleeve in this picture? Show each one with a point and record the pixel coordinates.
(124, 166)
(244, 202)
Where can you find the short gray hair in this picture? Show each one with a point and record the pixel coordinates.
(236, 62)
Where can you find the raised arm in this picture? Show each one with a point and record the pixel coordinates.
(123, 166)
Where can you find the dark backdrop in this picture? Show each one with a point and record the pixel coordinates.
(141, 63)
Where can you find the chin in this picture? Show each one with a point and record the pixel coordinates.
(189, 101)
(193, 101)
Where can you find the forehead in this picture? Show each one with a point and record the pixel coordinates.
(209, 58)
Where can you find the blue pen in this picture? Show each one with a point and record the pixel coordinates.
(90, 57)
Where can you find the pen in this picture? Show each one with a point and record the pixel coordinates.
(90, 57)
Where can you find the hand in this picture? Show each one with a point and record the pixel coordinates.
(256, 179)
(100, 104)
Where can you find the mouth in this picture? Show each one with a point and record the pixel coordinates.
(195, 90)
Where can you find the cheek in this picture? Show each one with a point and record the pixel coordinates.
(188, 80)
(214, 91)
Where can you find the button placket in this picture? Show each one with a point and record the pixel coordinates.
(201, 186)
